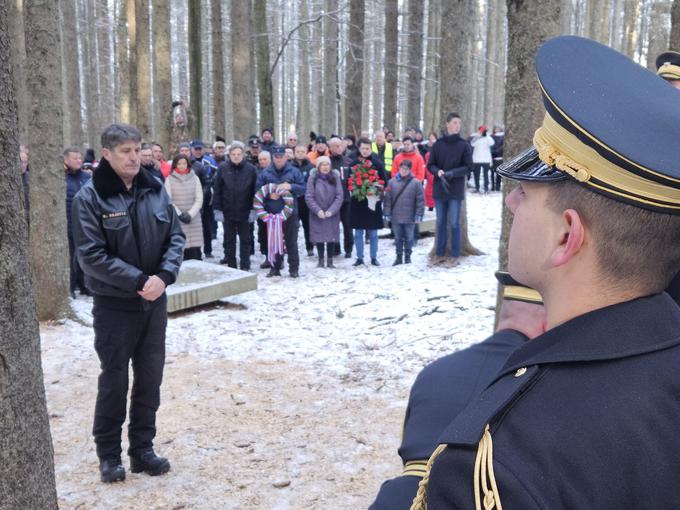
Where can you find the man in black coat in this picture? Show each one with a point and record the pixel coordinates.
(450, 163)
(585, 415)
(129, 244)
(340, 162)
(233, 199)
(75, 178)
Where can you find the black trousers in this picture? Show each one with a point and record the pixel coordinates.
(77, 278)
(208, 219)
(290, 235)
(262, 236)
(304, 218)
(347, 232)
(231, 230)
(119, 337)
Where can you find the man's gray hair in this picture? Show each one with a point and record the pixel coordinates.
(115, 134)
(72, 148)
(235, 144)
(266, 154)
(147, 146)
(335, 139)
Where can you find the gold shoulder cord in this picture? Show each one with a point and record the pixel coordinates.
(483, 474)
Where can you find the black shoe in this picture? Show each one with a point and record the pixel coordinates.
(149, 462)
(358, 262)
(329, 262)
(245, 267)
(85, 292)
(273, 272)
(375, 262)
(294, 274)
(321, 264)
(310, 253)
(407, 259)
(208, 255)
(73, 294)
(223, 260)
(348, 255)
(265, 265)
(397, 261)
(111, 470)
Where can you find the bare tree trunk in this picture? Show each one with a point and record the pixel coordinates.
(73, 121)
(529, 25)
(414, 75)
(218, 67)
(240, 69)
(47, 192)
(123, 64)
(162, 72)
(391, 64)
(355, 60)
(143, 68)
(631, 19)
(26, 455)
(264, 77)
(658, 33)
(303, 121)
(432, 85)
(675, 26)
(330, 63)
(18, 48)
(196, 102)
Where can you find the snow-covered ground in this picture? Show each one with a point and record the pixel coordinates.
(291, 396)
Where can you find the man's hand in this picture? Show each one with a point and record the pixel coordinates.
(284, 186)
(321, 215)
(153, 288)
(328, 214)
(185, 217)
(440, 174)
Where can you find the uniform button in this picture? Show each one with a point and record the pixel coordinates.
(520, 372)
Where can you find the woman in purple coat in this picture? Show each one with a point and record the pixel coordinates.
(324, 199)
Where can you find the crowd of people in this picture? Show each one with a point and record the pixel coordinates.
(218, 183)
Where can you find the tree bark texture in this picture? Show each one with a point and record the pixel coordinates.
(432, 88)
(240, 69)
(47, 192)
(218, 67)
(162, 73)
(143, 68)
(414, 75)
(26, 454)
(658, 32)
(391, 64)
(675, 26)
(303, 116)
(195, 72)
(73, 121)
(355, 61)
(631, 17)
(18, 48)
(529, 25)
(264, 77)
(329, 121)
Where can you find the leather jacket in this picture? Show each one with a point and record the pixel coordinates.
(122, 237)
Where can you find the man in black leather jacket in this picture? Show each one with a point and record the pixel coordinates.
(129, 244)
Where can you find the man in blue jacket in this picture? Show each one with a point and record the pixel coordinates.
(288, 178)
(585, 415)
(76, 178)
(450, 163)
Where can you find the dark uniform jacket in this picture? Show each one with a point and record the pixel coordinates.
(360, 215)
(122, 237)
(74, 183)
(584, 416)
(234, 190)
(453, 155)
(341, 164)
(442, 389)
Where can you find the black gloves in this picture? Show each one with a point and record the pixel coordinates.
(185, 217)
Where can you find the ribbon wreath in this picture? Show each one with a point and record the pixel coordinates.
(274, 221)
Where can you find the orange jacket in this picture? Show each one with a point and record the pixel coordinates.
(417, 164)
(311, 156)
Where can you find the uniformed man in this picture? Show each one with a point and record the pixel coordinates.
(446, 386)
(668, 67)
(585, 415)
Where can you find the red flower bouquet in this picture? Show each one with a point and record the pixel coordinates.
(364, 181)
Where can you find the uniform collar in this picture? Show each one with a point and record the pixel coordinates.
(107, 183)
(626, 329)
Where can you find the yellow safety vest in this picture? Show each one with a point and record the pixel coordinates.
(389, 156)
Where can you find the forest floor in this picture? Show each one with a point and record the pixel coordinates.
(288, 397)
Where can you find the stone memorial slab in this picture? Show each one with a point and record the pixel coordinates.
(201, 282)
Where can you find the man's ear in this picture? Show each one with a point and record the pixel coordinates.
(106, 153)
(570, 240)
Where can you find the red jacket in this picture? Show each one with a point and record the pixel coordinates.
(417, 164)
